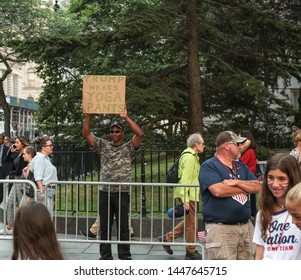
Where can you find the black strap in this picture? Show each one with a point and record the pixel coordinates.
(184, 153)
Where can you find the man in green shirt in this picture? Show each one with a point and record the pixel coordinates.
(189, 167)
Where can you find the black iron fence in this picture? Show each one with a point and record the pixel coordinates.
(149, 166)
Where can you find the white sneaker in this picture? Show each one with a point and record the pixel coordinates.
(7, 231)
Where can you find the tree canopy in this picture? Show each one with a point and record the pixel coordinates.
(186, 62)
(19, 20)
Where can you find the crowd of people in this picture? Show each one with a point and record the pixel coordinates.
(21, 160)
(235, 228)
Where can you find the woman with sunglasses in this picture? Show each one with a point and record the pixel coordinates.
(275, 236)
(45, 173)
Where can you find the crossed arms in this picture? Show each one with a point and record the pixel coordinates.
(232, 187)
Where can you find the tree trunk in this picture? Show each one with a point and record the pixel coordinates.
(3, 103)
(195, 98)
(298, 113)
(6, 110)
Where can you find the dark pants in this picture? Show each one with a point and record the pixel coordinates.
(2, 176)
(108, 208)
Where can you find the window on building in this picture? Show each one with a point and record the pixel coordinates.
(15, 85)
(31, 77)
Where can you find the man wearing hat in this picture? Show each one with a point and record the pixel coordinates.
(225, 187)
(116, 157)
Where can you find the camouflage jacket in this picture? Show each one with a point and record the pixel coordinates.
(115, 164)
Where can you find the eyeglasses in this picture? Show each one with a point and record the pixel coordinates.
(202, 143)
(115, 131)
(50, 145)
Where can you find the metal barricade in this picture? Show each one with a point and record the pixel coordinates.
(69, 220)
(13, 199)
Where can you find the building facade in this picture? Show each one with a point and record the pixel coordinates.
(22, 88)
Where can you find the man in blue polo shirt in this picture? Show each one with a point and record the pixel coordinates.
(225, 187)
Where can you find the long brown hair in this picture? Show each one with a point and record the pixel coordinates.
(23, 141)
(34, 236)
(288, 165)
(248, 134)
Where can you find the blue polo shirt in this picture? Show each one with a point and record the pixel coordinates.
(233, 209)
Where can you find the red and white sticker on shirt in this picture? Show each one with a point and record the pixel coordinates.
(241, 198)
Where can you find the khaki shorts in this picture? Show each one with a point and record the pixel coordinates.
(229, 242)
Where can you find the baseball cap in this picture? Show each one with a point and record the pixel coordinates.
(229, 136)
(176, 212)
(118, 124)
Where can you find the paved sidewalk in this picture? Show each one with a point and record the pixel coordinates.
(90, 251)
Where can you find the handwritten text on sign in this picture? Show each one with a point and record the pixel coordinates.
(103, 94)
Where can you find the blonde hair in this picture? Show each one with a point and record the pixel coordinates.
(296, 134)
(294, 194)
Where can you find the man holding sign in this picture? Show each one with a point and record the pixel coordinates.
(116, 158)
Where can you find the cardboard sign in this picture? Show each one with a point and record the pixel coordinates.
(103, 94)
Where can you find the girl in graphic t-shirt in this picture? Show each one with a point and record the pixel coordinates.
(275, 236)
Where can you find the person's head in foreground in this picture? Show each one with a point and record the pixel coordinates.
(34, 236)
(293, 204)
